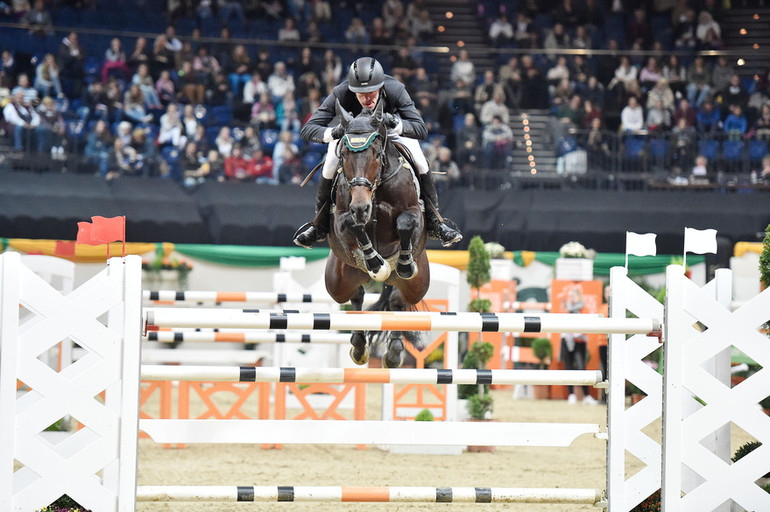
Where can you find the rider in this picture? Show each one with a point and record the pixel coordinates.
(366, 84)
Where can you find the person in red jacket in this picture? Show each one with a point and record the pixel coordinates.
(237, 167)
(262, 167)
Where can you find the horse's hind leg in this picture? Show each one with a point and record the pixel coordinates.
(394, 357)
(359, 352)
(406, 224)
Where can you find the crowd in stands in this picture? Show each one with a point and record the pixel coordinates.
(191, 108)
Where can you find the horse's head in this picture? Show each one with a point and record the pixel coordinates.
(362, 150)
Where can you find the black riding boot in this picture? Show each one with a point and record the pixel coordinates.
(316, 231)
(437, 229)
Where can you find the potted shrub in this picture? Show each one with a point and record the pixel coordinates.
(746, 449)
(479, 400)
(478, 274)
(764, 261)
(543, 351)
(424, 415)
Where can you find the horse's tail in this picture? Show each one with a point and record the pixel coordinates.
(383, 302)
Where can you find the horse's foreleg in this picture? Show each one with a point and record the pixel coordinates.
(359, 352)
(394, 357)
(406, 224)
(376, 266)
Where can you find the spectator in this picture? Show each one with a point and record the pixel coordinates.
(103, 102)
(497, 139)
(145, 150)
(38, 20)
(568, 14)
(422, 27)
(51, 130)
(98, 145)
(463, 68)
(194, 166)
(237, 167)
(486, 90)
(705, 25)
(134, 105)
(139, 55)
(254, 88)
(761, 127)
(239, 69)
(467, 142)
(698, 81)
(523, 28)
(261, 167)
(71, 61)
(423, 86)
(192, 88)
(591, 111)
(201, 139)
(216, 165)
(289, 31)
(307, 64)
(282, 147)
(735, 125)
(165, 89)
(571, 112)
(307, 83)
(556, 73)
(115, 59)
(143, 79)
(403, 64)
(356, 33)
(23, 119)
(461, 98)
(686, 112)
(708, 119)
(649, 74)
(734, 94)
(264, 63)
(392, 14)
(331, 73)
(582, 40)
(124, 132)
(557, 38)
(684, 30)
(624, 73)
(219, 92)
(8, 67)
(639, 29)
(321, 11)
(249, 140)
(230, 8)
(594, 91)
(204, 64)
(225, 142)
(683, 139)
(287, 113)
(172, 131)
(579, 71)
(379, 34)
(313, 33)
(47, 77)
(658, 117)
(561, 94)
(632, 116)
(291, 170)
(31, 96)
(597, 144)
(699, 173)
(279, 83)
(661, 92)
(189, 122)
(446, 170)
(123, 161)
(676, 74)
(494, 107)
(310, 104)
(534, 89)
(263, 113)
(173, 44)
(162, 57)
(721, 73)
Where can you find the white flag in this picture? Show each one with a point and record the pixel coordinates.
(700, 241)
(641, 244)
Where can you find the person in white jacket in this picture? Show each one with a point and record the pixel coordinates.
(23, 118)
(632, 116)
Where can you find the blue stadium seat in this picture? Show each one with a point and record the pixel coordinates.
(268, 138)
(757, 150)
(708, 148)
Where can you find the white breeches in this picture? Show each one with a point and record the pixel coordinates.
(413, 145)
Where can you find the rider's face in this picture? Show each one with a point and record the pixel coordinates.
(368, 99)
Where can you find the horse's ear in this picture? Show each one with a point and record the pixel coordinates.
(344, 115)
(378, 113)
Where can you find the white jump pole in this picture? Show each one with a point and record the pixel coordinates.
(370, 375)
(177, 335)
(402, 321)
(352, 494)
(246, 297)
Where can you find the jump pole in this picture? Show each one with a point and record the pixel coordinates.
(370, 375)
(401, 321)
(177, 335)
(247, 297)
(352, 494)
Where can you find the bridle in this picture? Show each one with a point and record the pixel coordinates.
(361, 142)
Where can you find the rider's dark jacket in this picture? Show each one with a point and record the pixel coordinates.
(397, 101)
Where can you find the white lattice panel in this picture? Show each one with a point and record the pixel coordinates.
(625, 426)
(102, 316)
(690, 351)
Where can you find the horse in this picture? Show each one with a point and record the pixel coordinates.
(377, 228)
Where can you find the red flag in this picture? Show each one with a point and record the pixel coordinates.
(107, 230)
(84, 234)
(64, 249)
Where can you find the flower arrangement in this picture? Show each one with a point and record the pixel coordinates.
(181, 267)
(576, 250)
(495, 250)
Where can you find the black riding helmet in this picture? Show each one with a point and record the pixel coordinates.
(365, 75)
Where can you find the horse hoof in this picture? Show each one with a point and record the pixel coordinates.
(382, 274)
(406, 272)
(362, 358)
(392, 360)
